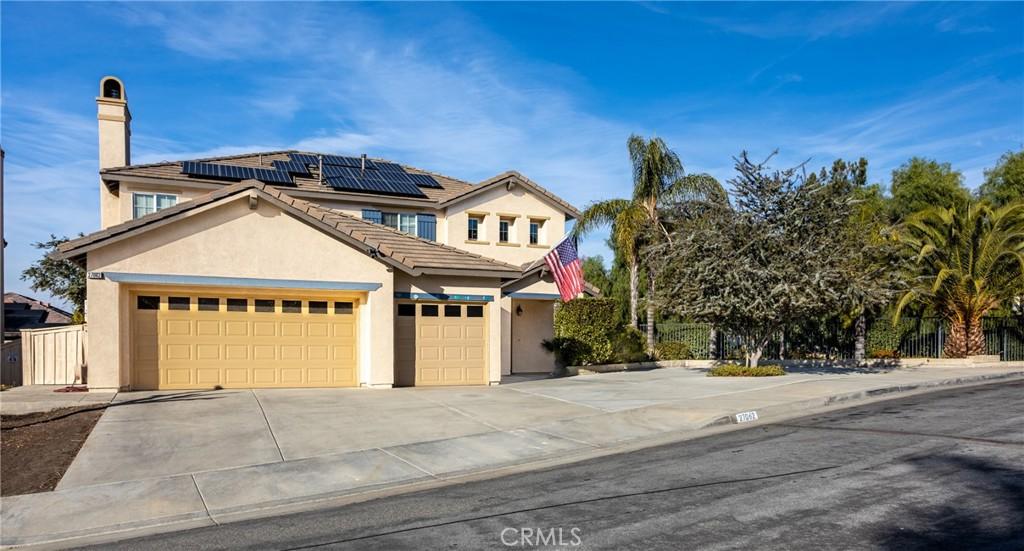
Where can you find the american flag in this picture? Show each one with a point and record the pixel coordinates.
(567, 269)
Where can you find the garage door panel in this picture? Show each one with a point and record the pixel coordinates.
(208, 328)
(241, 347)
(178, 328)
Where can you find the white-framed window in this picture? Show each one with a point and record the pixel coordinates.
(148, 203)
(473, 233)
(506, 229)
(535, 229)
(422, 225)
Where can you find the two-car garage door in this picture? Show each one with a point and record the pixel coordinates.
(201, 340)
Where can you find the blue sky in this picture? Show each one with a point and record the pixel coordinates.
(471, 90)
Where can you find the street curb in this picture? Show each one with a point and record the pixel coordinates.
(865, 395)
(766, 415)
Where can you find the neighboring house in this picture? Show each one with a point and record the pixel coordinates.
(288, 268)
(22, 312)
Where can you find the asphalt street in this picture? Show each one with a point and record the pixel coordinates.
(943, 470)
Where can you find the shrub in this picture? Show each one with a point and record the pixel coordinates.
(733, 370)
(630, 346)
(594, 323)
(673, 351)
(567, 351)
(884, 354)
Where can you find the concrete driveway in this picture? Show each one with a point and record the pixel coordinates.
(144, 435)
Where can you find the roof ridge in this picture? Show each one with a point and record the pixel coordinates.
(406, 235)
(200, 160)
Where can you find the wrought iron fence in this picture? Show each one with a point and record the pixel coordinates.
(911, 338)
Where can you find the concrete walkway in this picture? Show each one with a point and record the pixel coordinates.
(173, 460)
(35, 398)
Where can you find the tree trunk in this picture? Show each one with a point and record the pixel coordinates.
(650, 311)
(754, 355)
(713, 344)
(860, 334)
(975, 337)
(634, 291)
(956, 341)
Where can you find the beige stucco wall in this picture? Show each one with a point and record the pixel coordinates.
(230, 240)
(520, 202)
(114, 131)
(466, 286)
(532, 323)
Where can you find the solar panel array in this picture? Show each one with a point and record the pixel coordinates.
(338, 171)
(229, 172)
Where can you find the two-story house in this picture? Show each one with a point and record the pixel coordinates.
(302, 269)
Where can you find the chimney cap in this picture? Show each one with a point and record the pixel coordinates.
(111, 88)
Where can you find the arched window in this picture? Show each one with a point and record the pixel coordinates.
(112, 89)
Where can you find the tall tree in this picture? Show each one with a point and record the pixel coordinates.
(61, 278)
(923, 183)
(1004, 183)
(658, 177)
(783, 251)
(967, 261)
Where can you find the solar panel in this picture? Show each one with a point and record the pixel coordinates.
(374, 186)
(293, 167)
(269, 176)
(212, 170)
(425, 180)
(354, 162)
(304, 159)
(238, 173)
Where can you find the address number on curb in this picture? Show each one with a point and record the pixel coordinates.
(746, 417)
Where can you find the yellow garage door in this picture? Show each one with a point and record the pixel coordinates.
(441, 344)
(189, 340)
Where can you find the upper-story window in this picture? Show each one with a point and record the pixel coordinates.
(506, 229)
(473, 228)
(148, 203)
(421, 225)
(535, 231)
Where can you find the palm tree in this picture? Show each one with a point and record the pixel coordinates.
(968, 260)
(658, 177)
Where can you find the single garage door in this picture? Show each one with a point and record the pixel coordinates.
(189, 340)
(441, 344)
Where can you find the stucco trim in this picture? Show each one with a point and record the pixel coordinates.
(444, 297)
(251, 282)
(534, 296)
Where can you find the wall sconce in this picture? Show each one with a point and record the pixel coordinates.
(519, 309)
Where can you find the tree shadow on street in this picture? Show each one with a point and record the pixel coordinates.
(996, 524)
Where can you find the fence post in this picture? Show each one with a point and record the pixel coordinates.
(941, 339)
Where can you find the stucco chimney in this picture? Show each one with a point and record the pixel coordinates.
(115, 140)
(115, 122)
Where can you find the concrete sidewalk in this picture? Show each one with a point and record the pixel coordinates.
(169, 461)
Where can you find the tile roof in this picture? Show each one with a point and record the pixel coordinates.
(22, 312)
(452, 189)
(412, 254)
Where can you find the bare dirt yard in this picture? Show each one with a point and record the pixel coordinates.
(36, 448)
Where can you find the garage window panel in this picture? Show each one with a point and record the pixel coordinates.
(207, 304)
(429, 310)
(147, 303)
(264, 305)
(291, 306)
(318, 307)
(343, 308)
(452, 311)
(238, 305)
(179, 303)
(474, 311)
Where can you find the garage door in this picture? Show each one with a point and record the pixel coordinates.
(441, 344)
(188, 340)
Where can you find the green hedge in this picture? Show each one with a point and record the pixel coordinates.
(587, 327)
(731, 370)
(673, 350)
